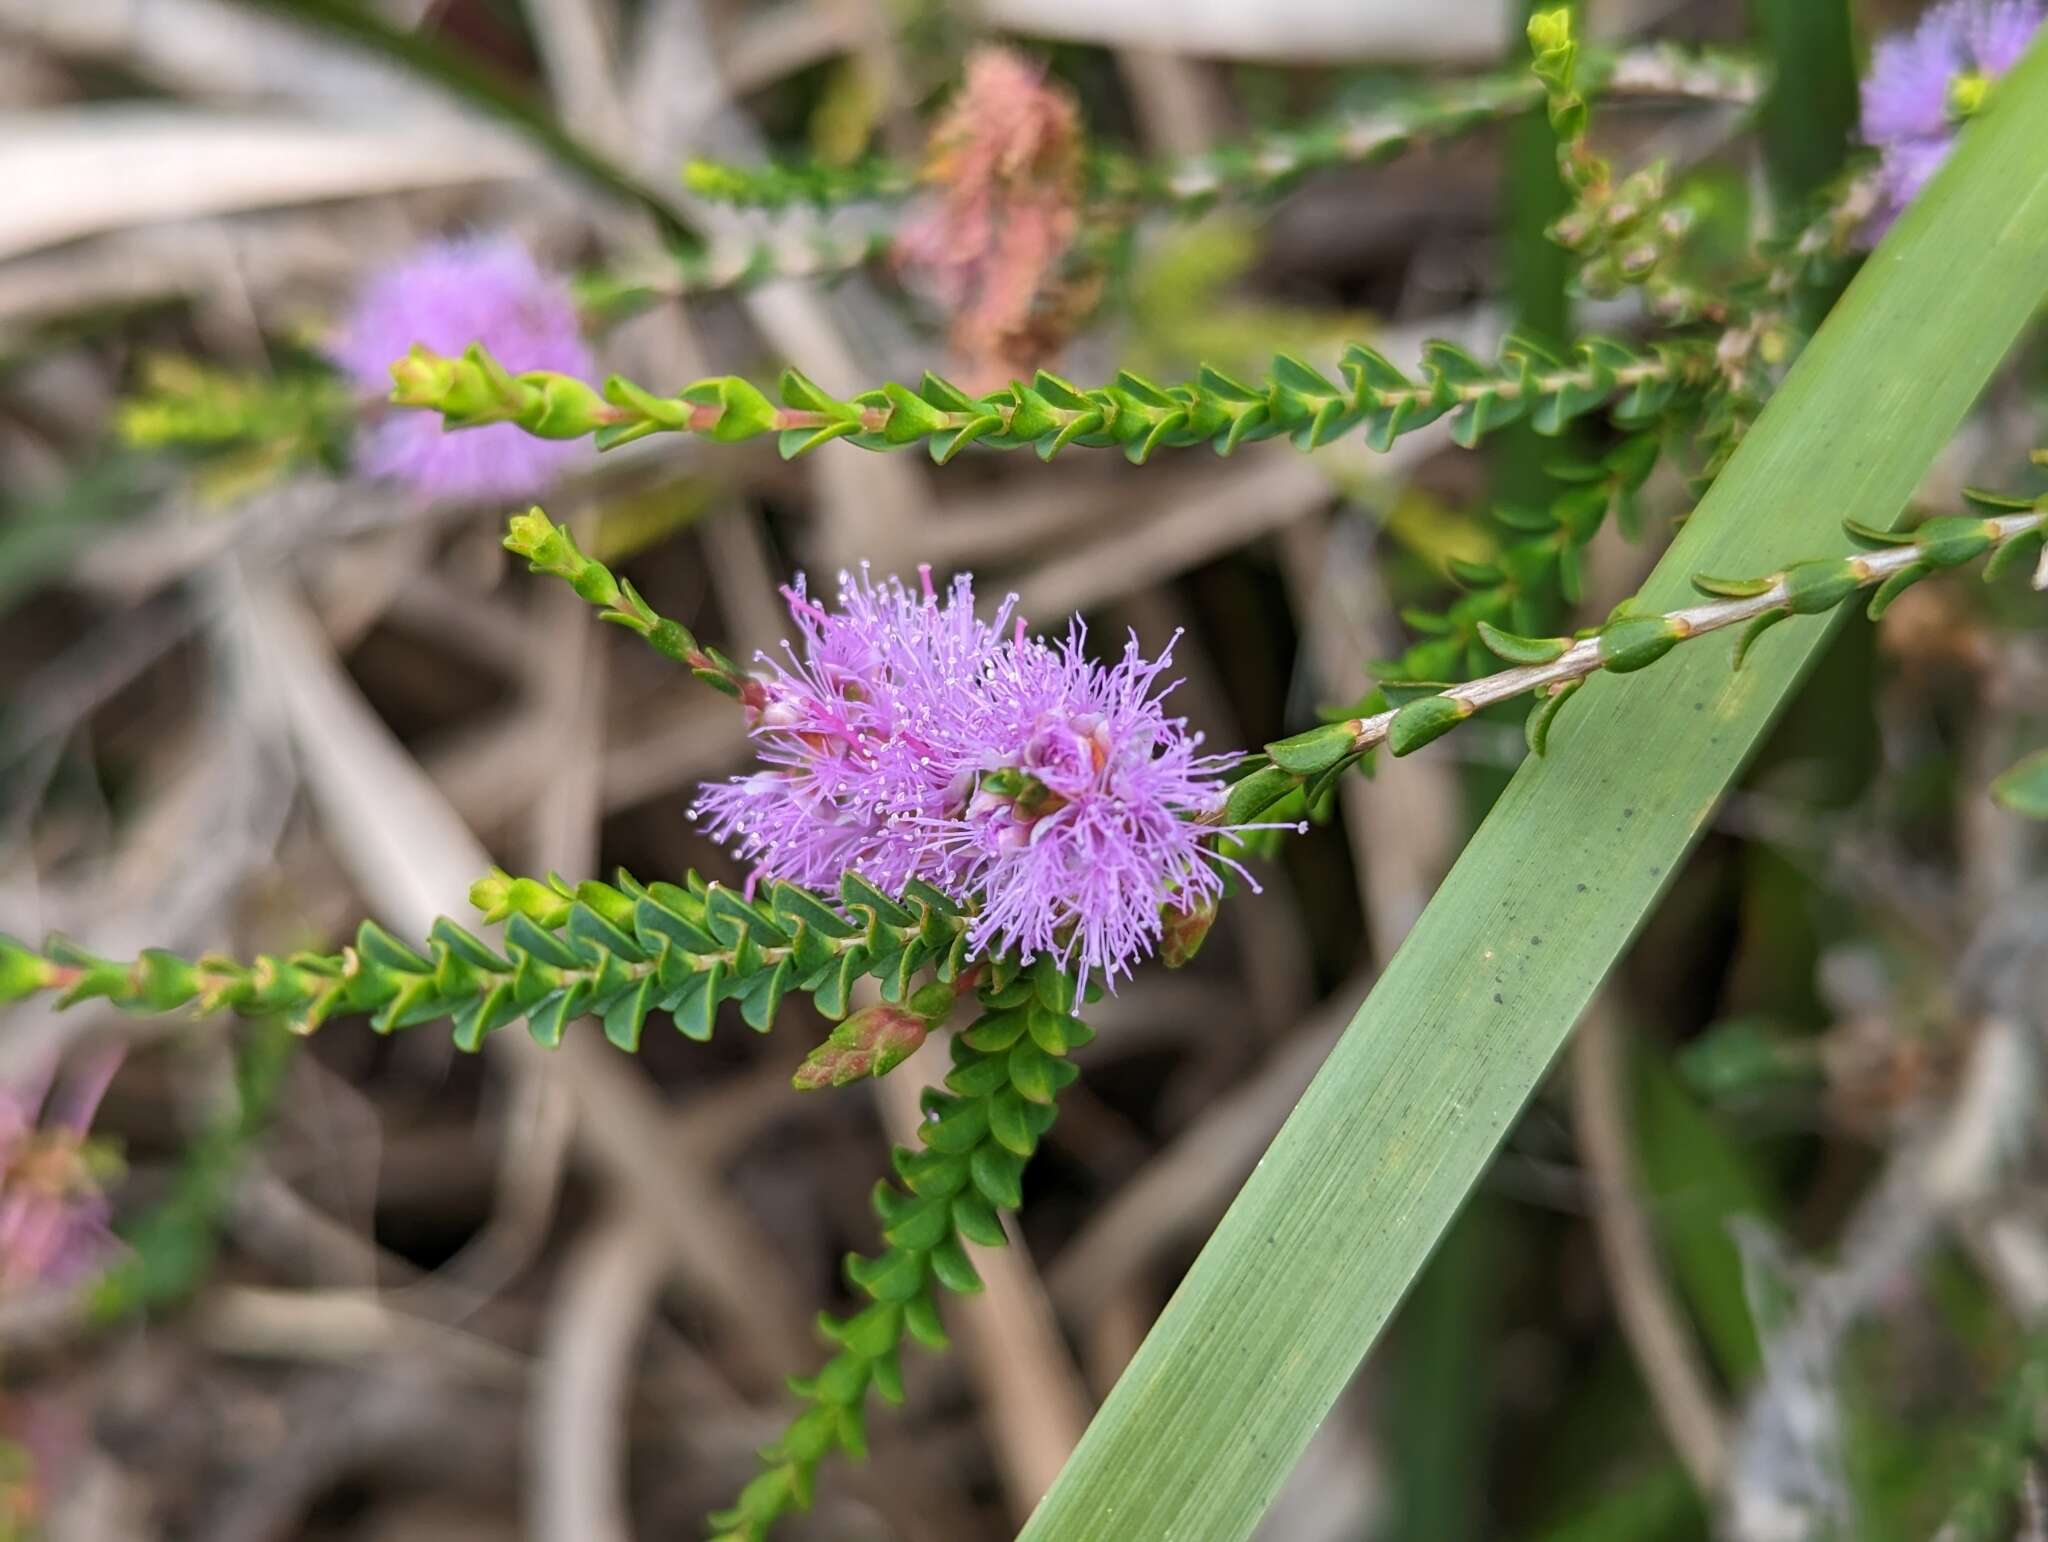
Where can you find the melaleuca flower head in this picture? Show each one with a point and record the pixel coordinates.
(989, 238)
(907, 738)
(1087, 824)
(865, 736)
(447, 296)
(1922, 83)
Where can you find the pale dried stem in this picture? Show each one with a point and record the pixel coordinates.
(1655, 1327)
(596, 1319)
(1585, 656)
(413, 860)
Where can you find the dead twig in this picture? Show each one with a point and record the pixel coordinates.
(1664, 1348)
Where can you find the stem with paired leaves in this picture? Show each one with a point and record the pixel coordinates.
(1274, 158)
(1553, 668)
(618, 952)
(1008, 1067)
(1049, 414)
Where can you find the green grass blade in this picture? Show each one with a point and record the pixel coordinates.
(1810, 111)
(1355, 1190)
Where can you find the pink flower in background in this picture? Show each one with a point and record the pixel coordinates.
(908, 739)
(42, 1436)
(53, 1205)
(1910, 94)
(447, 296)
(989, 239)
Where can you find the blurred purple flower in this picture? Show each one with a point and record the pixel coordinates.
(908, 739)
(1909, 96)
(447, 296)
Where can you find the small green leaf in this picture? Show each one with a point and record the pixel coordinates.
(945, 446)
(1479, 575)
(794, 442)
(1031, 1072)
(1293, 375)
(921, 1322)
(1999, 503)
(1316, 750)
(1753, 631)
(1250, 798)
(1420, 721)
(1007, 1123)
(798, 390)
(896, 1276)
(1813, 588)
(960, 1128)
(743, 411)
(1893, 587)
(1954, 539)
(1523, 650)
(1870, 535)
(928, 1173)
(870, 1333)
(977, 1221)
(2023, 788)
(2014, 553)
(979, 1077)
(548, 1020)
(998, 1175)
(1537, 728)
(1732, 588)
(911, 417)
(921, 1225)
(697, 1012)
(995, 1032)
(1054, 1030)
(624, 1018)
(953, 1269)
(1635, 642)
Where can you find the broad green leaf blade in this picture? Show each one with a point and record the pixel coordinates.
(1356, 1189)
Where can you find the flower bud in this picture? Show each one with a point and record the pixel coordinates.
(499, 895)
(423, 378)
(1182, 932)
(872, 1042)
(22, 972)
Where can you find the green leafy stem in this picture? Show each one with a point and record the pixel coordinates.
(617, 952)
(1276, 158)
(1553, 668)
(976, 1137)
(612, 296)
(1049, 414)
(622, 951)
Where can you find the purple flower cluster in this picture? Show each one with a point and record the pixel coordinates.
(908, 739)
(1920, 81)
(447, 296)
